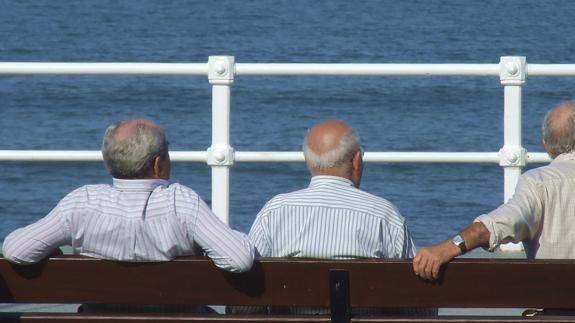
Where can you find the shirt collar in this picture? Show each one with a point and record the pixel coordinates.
(565, 156)
(138, 185)
(326, 179)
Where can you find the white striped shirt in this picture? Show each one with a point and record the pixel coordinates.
(331, 219)
(133, 220)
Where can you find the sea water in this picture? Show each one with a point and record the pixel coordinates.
(407, 114)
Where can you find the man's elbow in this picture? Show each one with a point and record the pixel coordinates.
(18, 261)
(12, 256)
(239, 268)
(13, 252)
(242, 263)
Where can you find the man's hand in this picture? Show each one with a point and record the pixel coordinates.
(429, 260)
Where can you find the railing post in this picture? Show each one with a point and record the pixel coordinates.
(221, 71)
(513, 71)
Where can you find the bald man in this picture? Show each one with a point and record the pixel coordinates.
(141, 217)
(540, 213)
(332, 218)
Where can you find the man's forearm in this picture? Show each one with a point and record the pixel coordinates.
(475, 235)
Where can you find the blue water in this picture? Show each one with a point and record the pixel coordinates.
(390, 113)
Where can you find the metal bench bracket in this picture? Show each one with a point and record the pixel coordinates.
(339, 296)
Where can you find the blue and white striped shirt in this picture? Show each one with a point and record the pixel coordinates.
(331, 219)
(133, 220)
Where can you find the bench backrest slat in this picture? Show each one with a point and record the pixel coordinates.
(159, 318)
(293, 282)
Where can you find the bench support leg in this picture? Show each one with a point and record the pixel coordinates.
(339, 296)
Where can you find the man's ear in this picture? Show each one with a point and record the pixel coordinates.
(544, 145)
(158, 167)
(356, 162)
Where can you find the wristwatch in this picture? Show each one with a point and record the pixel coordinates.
(460, 243)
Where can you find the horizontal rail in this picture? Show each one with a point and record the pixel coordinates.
(247, 69)
(29, 68)
(538, 158)
(268, 156)
(551, 69)
(368, 69)
(105, 68)
(86, 155)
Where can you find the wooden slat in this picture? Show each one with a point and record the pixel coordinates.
(467, 283)
(123, 318)
(63, 317)
(293, 282)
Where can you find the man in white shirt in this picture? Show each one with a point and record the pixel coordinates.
(141, 217)
(333, 218)
(540, 213)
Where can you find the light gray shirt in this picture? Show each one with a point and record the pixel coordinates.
(542, 212)
(331, 219)
(133, 220)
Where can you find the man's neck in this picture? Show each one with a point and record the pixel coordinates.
(345, 173)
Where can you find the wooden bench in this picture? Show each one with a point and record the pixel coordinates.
(466, 283)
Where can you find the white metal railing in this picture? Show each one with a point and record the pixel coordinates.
(274, 156)
(221, 72)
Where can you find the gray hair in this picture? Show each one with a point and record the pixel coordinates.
(133, 156)
(348, 145)
(559, 135)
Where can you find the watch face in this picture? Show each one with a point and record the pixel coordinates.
(458, 240)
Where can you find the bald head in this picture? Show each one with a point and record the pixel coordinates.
(559, 129)
(329, 148)
(327, 136)
(130, 147)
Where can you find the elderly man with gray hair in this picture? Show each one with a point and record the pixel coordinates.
(332, 218)
(540, 213)
(141, 217)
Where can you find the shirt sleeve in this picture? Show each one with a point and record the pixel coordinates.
(409, 250)
(395, 239)
(259, 235)
(517, 220)
(39, 240)
(230, 250)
